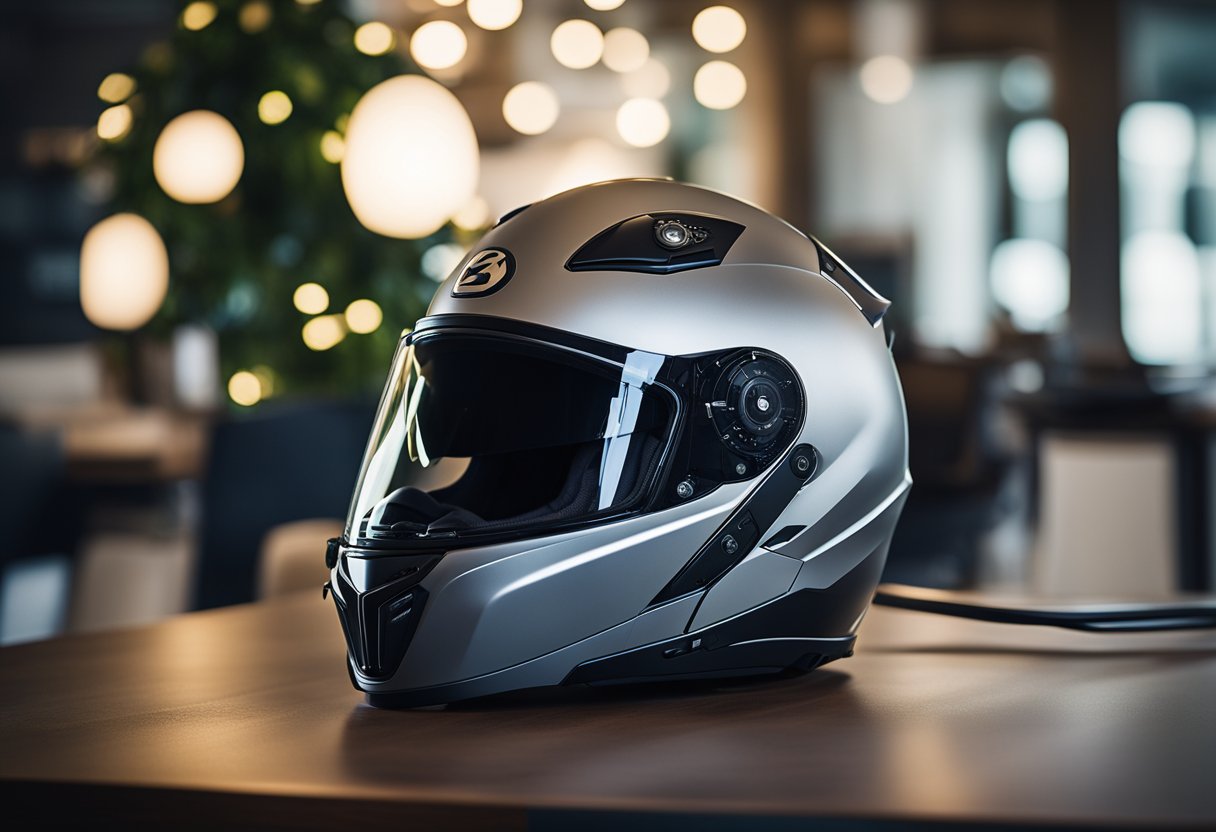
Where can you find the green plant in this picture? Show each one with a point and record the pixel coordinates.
(235, 264)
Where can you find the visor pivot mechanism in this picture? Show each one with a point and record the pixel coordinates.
(803, 461)
(684, 489)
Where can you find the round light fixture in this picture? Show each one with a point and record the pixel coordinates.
(374, 38)
(439, 44)
(577, 44)
(625, 49)
(198, 157)
(124, 272)
(494, 14)
(643, 122)
(411, 157)
(719, 29)
(719, 85)
(531, 107)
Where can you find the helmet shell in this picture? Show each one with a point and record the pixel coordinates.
(578, 606)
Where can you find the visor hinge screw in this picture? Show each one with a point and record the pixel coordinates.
(740, 469)
(684, 490)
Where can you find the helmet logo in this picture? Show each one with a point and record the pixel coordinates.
(486, 273)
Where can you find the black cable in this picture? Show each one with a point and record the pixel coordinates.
(1104, 618)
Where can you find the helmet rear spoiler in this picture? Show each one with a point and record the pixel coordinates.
(871, 304)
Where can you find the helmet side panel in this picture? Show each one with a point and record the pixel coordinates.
(489, 610)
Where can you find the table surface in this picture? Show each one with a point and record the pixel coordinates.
(248, 711)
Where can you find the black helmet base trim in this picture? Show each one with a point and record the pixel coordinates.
(758, 658)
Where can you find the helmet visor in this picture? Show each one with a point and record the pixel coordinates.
(482, 434)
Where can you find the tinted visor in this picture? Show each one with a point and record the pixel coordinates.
(480, 434)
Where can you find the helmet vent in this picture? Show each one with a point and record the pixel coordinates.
(658, 244)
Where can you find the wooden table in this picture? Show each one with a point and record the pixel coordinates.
(244, 717)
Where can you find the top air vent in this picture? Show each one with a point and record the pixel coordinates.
(658, 244)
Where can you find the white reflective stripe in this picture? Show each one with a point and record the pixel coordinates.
(411, 413)
(640, 369)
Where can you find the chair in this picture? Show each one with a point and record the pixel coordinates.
(277, 465)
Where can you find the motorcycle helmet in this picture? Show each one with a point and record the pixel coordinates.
(645, 431)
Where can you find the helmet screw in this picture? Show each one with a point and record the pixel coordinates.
(684, 489)
(803, 461)
(740, 469)
(730, 545)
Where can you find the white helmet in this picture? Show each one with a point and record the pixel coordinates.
(645, 431)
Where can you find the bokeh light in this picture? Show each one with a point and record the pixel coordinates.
(719, 29)
(245, 388)
(198, 157)
(1037, 159)
(625, 49)
(323, 333)
(1030, 280)
(333, 146)
(531, 108)
(1026, 83)
(1157, 134)
(310, 298)
(577, 44)
(374, 38)
(254, 16)
(198, 15)
(124, 272)
(114, 122)
(604, 5)
(652, 80)
(438, 261)
(474, 215)
(1162, 299)
(274, 107)
(719, 85)
(363, 316)
(494, 14)
(116, 87)
(411, 157)
(886, 79)
(643, 122)
(439, 44)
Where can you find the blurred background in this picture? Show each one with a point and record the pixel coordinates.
(217, 217)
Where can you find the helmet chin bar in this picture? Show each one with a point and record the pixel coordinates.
(380, 621)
